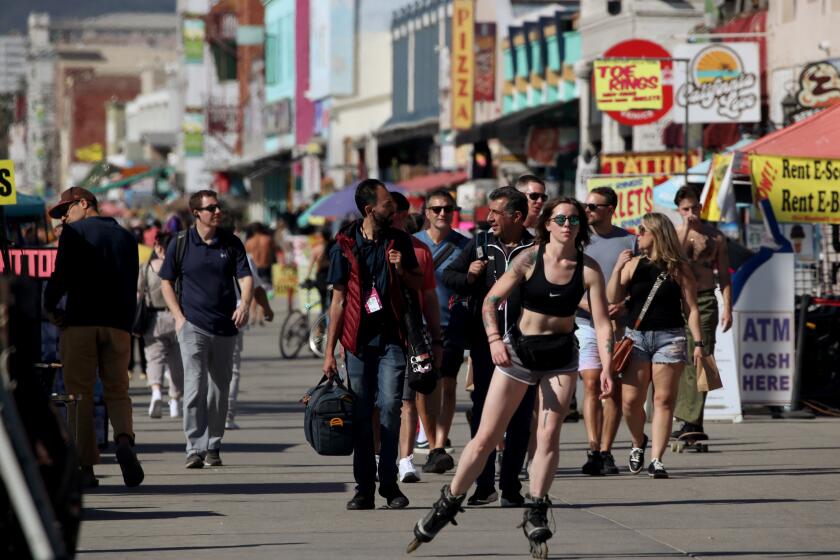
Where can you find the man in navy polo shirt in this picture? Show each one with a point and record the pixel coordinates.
(207, 320)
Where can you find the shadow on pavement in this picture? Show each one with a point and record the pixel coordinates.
(722, 501)
(232, 447)
(96, 514)
(237, 488)
(168, 548)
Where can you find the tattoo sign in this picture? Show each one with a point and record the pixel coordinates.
(722, 84)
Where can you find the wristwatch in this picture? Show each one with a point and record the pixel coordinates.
(699, 344)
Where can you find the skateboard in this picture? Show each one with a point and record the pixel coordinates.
(698, 441)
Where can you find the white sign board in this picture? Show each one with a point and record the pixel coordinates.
(722, 84)
(725, 403)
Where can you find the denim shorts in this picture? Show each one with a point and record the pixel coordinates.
(659, 347)
(588, 347)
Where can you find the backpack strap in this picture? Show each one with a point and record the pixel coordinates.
(443, 254)
(180, 253)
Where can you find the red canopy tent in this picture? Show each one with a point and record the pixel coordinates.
(817, 137)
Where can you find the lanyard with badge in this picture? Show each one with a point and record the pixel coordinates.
(370, 296)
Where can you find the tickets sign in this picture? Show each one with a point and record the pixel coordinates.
(624, 85)
(8, 194)
(799, 189)
(635, 198)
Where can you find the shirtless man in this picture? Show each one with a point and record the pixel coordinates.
(705, 248)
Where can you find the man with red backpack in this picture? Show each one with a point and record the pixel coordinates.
(369, 264)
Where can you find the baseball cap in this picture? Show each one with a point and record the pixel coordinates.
(68, 197)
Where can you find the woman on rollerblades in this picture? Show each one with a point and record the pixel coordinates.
(540, 350)
(661, 287)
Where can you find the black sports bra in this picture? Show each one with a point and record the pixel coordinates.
(541, 296)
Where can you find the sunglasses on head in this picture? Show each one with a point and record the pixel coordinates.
(592, 207)
(560, 219)
(448, 209)
(535, 196)
(211, 208)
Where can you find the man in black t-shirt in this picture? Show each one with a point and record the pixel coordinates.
(368, 263)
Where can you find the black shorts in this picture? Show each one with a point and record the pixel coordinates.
(453, 358)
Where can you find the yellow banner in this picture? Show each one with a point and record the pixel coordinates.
(8, 194)
(799, 189)
(463, 63)
(622, 85)
(718, 169)
(635, 198)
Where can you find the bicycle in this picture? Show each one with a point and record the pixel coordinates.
(297, 330)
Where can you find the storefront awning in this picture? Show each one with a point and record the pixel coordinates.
(131, 179)
(433, 181)
(394, 132)
(560, 113)
(817, 137)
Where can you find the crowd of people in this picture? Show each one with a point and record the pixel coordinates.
(538, 300)
(535, 302)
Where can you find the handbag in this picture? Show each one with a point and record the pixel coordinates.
(622, 350)
(328, 419)
(143, 314)
(542, 352)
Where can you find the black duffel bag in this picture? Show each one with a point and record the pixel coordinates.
(328, 419)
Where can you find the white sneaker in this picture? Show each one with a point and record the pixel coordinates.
(174, 408)
(407, 471)
(231, 425)
(155, 406)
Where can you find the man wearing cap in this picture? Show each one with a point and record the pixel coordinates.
(96, 268)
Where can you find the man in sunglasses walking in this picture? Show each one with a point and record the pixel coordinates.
(602, 418)
(534, 189)
(201, 272)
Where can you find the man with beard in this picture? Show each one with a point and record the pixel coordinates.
(368, 264)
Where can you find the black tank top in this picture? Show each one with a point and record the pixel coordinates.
(665, 311)
(541, 296)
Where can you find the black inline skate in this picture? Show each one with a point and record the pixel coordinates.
(443, 512)
(535, 526)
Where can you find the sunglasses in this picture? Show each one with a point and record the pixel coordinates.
(211, 208)
(535, 196)
(560, 219)
(448, 209)
(642, 230)
(593, 207)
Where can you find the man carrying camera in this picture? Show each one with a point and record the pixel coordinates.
(368, 265)
(483, 261)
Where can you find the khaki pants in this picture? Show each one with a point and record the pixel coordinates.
(690, 401)
(84, 351)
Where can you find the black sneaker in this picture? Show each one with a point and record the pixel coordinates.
(88, 480)
(132, 472)
(394, 498)
(483, 496)
(592, 466)
(687, 428)
(511, 500)
(657, 470)
(361, 501)
(439, 461)
(213, 459)
(194, 461)
(637, 457)
(608, 464)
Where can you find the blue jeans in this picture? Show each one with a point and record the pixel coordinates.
(377, 375)
(518, 431)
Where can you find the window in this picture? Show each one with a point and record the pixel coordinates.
(271, 61)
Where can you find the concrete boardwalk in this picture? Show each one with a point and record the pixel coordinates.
(767, 489)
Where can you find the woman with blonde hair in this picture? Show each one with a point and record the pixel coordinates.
(661, 288)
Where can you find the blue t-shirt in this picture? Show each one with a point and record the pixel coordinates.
(375, 260)
(208, 293)
(443, 293)
(605, 250)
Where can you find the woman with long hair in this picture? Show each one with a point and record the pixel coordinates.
(540, 349)
(661, 289)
